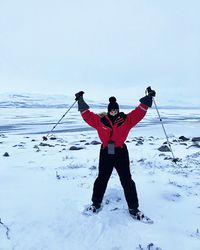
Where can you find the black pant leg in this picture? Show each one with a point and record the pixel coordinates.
(105, 170)
(122, 166)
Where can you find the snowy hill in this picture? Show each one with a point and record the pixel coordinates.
(32, 101)
(27, 100)
(18, 100)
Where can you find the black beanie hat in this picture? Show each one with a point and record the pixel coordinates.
(113, 104)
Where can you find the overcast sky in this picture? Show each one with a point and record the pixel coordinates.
(104, 47)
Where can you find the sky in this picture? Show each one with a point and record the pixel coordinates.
(107, 47)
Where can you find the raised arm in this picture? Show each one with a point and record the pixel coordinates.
(91, 118)
(139, 112)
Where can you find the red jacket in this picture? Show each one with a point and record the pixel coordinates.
(118, 131)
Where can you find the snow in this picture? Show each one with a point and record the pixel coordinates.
(44, 189)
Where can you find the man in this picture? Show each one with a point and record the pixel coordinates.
(113, 129)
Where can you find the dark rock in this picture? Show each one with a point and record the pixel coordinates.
(139, 143)
(164, 148)
(166, 142)
(168, 158)
(75, 148)
(142, 160)
(6, 154)
(52, 138)
(195, 139)
(139, 138)
(95, 143)
(151, 137)
(45, 144)
(195, 145)
(93, 167)
(21, 145)
(183, 143)
(87, 143)
(183, 138)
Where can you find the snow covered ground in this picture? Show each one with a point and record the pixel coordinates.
(44, 186)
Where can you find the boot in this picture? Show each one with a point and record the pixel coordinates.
(95, 207)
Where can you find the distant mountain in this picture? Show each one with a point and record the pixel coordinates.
(27, 100)
(32, 101)
(16, 100)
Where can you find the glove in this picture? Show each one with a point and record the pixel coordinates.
(147, 100)
(82, 105)
(151, 92)
(78, 95)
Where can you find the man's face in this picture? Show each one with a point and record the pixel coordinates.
(114, 112)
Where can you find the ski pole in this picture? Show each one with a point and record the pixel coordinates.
(174, 159)
(45, 138)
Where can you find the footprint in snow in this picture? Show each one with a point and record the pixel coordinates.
(171, 196)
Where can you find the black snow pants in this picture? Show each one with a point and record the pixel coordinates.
(119, 161)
